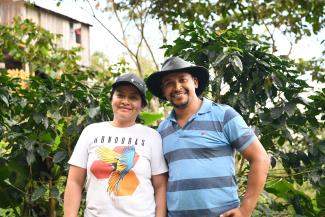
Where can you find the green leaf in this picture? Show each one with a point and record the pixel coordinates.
(56, 143)
(4, 173)
(276, 112)
(59, 156)
(273, 162)
(279, 187)
(321, 148)
(320, 198)
(290, 108)
(37, 117)
(45, 137)
(38, 193)
(219, 59)
(265, 117)
(237, 64)
(81, 119)
(4, 99)
(150, 118)
(281, 140)
(7, 181)
(46, 122)
(55, 192)
(23, 102)
(93, 111)
(263, 63)
(44, 153)
(55, 171)
(30, 158)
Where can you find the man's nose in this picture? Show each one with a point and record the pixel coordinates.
(178, 85)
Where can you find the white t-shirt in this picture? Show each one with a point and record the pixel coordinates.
(134, 195)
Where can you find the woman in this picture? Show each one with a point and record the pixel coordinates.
(120, 162)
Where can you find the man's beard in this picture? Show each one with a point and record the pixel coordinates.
(181, 105)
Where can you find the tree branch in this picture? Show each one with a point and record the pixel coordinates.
(141, 30)
(134, 56)
(271, 35)
(110, 32)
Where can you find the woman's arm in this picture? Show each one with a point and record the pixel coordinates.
(159, 183)
(73, 191)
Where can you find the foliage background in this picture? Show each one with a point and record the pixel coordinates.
(42, 115)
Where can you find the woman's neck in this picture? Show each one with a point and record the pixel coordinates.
(122, 124)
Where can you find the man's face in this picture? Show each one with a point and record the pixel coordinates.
(179, 88)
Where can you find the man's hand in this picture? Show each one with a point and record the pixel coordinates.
(237, 212)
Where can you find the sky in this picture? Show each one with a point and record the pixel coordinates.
(102, 41)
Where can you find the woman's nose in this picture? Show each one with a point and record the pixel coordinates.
(125, 100)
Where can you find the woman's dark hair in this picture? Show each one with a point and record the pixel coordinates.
(139, 120)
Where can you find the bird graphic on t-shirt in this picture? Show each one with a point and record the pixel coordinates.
(122, 163)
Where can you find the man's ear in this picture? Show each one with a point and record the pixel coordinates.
(196, 82)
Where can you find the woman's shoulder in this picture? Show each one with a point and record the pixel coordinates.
(96, 125)
(147, 129)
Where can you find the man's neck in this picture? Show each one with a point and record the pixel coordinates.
(183, 114)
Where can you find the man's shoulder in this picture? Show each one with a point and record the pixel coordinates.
(163, 125)
(215, 105)
(219, 107)
(221, 112)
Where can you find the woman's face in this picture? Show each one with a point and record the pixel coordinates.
(126, 103)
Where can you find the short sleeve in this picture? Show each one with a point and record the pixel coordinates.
(239, 135)
(79, 155)
(158, 163)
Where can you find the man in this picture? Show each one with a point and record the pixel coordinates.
(199, 141)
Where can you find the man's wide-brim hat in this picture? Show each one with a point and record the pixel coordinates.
(177, 64)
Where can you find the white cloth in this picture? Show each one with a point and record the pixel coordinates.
(136, 188)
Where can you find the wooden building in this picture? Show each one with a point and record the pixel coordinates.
(74, 31)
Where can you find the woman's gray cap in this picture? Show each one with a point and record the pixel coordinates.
(134, 80)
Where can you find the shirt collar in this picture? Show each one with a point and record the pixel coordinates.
(205, 108)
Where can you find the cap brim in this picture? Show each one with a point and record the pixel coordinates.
(116, 84)
(154, 81)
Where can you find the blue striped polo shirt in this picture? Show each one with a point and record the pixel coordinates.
(201, 160)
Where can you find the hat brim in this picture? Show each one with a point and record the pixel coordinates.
(154, 81)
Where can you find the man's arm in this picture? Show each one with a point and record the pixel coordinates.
(73, 191)
(259, 165)
(159, 183)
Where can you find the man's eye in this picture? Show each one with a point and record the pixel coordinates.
(167, 84)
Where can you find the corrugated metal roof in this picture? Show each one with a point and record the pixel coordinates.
(70, 12)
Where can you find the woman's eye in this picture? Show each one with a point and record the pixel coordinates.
(134, 97)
